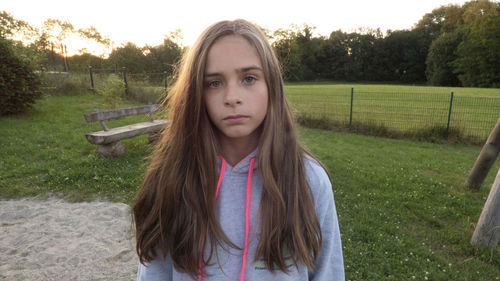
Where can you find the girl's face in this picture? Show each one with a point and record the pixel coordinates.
(235, 90)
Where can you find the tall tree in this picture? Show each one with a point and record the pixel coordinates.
(129, 56)
(289, 53)
(476, 10)
(336, 55)
(91, 33)
(478, 55)
(405, 54)
(11, 28)
(82, 62)
(164, 57)
(361, 54)
(453, 18)
(440, 59)
(432, 23)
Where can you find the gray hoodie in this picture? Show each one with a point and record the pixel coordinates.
(236, 185)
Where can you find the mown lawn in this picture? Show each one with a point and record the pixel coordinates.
(404, 213)
(45, 152)
(403, 209)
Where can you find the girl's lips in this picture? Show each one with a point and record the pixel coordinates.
(234, 119)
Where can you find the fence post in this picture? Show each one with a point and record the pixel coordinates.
(350, 113)
(165, 79)
(449, 117)
(124, 71)
(91, 79)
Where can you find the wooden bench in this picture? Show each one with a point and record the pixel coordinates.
(109, 139)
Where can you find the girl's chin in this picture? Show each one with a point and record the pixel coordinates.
(238, 135)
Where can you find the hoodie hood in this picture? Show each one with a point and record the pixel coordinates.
(241, 167)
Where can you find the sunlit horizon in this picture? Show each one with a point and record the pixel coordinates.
(150, 22)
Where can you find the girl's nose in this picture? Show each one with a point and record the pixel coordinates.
(233, 95)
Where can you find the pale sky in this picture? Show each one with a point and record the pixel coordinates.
(147, 21)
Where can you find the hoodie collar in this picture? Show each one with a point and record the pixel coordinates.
(242, 166)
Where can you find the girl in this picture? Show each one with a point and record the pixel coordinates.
(230, 193)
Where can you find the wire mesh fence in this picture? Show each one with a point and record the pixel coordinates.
(401, 112)
(143, 87)
(475, 116)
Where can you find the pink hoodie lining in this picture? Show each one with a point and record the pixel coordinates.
(242, 159)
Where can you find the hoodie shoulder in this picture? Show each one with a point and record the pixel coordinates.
(317, 177)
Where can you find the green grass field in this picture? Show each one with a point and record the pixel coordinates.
(404, 213)
(400, 109)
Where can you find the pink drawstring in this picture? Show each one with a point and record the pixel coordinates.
(221, 175)
(247, 214)
(247, 217)
(200, 266)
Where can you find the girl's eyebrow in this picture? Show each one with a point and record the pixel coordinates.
(248, 68)
(240, 70)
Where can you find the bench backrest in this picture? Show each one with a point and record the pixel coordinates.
(122, 112)
(118, 113)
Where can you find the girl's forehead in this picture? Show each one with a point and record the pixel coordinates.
(232, 41)
(232, 51)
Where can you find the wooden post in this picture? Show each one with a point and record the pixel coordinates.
(165, 79)
(485, 160)
(487, 232)
(64, 51)
(52, 59)
(91, 79)
(124, 72)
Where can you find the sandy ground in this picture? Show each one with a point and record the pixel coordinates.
(56, 240)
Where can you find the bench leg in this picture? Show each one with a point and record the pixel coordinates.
(154, 137)
(113, 149)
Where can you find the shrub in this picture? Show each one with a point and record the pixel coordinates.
(144, 92)
(19, 84)
(112, 91)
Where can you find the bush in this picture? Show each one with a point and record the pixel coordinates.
(144, 92)
(19, 84)
(112, 91)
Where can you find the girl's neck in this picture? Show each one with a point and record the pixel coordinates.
(234, 150)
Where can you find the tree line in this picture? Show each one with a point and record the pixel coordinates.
(46, 48)
(454, 45)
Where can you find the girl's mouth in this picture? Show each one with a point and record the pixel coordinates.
(233, 119)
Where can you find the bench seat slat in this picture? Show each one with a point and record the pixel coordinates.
(113, 114)
(130, 131)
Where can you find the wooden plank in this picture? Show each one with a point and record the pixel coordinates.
(487, 232)
(125, 132)
(113, 114)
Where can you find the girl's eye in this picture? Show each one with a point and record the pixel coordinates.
(250, 79)
(214, 84)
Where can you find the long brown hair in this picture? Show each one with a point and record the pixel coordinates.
(174, 212)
